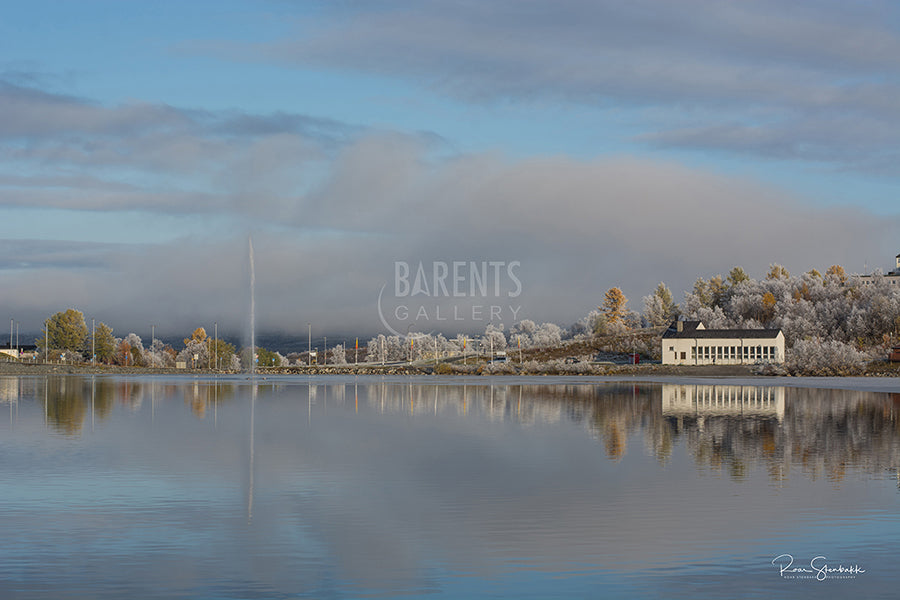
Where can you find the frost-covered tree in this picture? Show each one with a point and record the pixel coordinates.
(159, 355)
(777, 271)
(195, 352)
(529, 334)
(659, 307)
(588, 325)
(387, 348)
(135, 348)
(837, 274)
(818, 357)
(737, 276)
(493, 338)
(806, 307)
(338, 355)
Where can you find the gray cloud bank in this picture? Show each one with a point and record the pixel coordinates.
(331, 212)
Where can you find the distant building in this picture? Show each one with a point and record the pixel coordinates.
(691, 343)
(18, 351)
(892, 277)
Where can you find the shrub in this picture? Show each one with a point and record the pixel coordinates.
(815, 357)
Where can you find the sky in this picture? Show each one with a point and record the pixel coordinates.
(557, 148)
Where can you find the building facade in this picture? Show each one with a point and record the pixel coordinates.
(691, 343)
(892, 277)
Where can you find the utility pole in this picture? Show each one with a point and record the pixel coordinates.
(309, 349)
(216, 328)
(325, 352)
(93, 342)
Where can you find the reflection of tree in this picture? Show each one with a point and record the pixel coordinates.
(69, 401)
(821, 432)
(202, 394)
(65, 404)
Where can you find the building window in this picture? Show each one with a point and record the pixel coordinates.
(683, 356)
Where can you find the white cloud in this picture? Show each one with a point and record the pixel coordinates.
(755, 69)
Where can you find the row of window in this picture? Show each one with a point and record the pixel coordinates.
(732, 352)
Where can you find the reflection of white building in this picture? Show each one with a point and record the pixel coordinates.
(690, 343)
(731, 400)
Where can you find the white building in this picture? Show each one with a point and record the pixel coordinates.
(891, 277)
(690, 343)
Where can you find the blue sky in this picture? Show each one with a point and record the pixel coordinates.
(598, 143)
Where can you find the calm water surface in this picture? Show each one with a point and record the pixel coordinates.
(428, 488)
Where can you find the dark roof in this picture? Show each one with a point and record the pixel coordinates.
(689, 330)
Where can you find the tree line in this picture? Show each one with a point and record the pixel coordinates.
(67, 337)
(829, 318)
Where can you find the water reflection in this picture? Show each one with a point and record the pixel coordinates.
(367, 487)
(725, 427)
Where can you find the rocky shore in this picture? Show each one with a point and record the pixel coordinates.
(12, 368)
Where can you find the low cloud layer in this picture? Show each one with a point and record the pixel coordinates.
(576, 228)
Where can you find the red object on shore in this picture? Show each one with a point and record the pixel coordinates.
(635, 359)
(894, 356)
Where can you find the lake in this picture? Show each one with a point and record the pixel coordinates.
(424, 487)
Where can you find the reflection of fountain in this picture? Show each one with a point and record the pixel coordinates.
(724, 400)
(253, 391)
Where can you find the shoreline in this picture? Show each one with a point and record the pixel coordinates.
(8, 368)
(629, 370)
